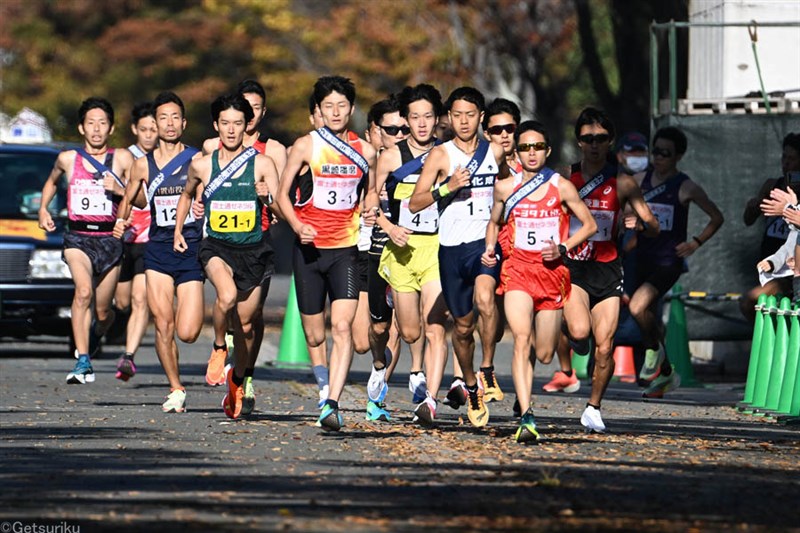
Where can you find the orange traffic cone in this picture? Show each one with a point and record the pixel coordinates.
(624, 369)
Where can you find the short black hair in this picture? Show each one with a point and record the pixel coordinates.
(423, 91)
(499, 106)
(231, 101)
(141, 110)
(328, 84)
(168, 97)
(792, 140)
(390, 104)
(531, 125)
(470, 94)
(312, 105)
(96, 102)
(592, 115)
(671, 133)
(251, 86)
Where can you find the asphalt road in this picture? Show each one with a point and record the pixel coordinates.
(104, 457)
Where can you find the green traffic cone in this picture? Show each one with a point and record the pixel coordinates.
(755, 347)
(677, 341)
(765, 354)
(292, 351)
(776, 375)
(580, 364)
(791, 376)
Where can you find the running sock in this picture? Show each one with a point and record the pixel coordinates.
(248, 372)
(238, 381)
(416, 372)
(128, 355)
(589, 404)
(332, 403)
(321, 375)
(220, 346)
(458, 378)
(486, 369)
(472, 389)
(567, 373)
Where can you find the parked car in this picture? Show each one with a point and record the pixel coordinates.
(36, 288)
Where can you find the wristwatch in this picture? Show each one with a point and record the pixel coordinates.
(562, 250)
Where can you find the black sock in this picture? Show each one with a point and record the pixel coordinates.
(238, 381)
(222, 347)
(589, 404)
(128, 355)
(567, 373)
(456, 378)
(332, 403)
(248, 372)
(486, 369)
(472, 389)
(416, 372)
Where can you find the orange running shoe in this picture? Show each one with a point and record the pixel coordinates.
(232, 402)
(563, 383)
(215, 373)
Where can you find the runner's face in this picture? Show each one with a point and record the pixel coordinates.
(336, 111)
(504, 139)
(421, 120)
(373, 135)
(257, 103)
(464, 119)
(444, 130)
(231, 126)
(533, 160)
(96, 128)
(146, 133)
(170, 122)
(665, 158)
(594, 152)
(390, 120)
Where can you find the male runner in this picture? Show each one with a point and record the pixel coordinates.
(592, 311)
(255, 95)
(409, 262)
(326, 225)
(90, 250)
(236, 253)
(131, 290)
(661, 259)
(160, 177)
(459, 175)
(535, 281)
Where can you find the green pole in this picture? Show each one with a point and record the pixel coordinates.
(792, 364)
(292, 351)
(752, 29)
(653, 71)
(765, 356)
(673, 70)
(776, 374)
(755, 347)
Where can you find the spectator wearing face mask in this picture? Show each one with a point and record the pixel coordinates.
(632, 153)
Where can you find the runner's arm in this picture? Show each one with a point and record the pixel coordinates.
(268, 175)
(193, 180)
(137, 172)
(50, 188)
(499, 197)
(572, 201)
(300, 153)
(692, 192)
(631, 194)
(435, 165)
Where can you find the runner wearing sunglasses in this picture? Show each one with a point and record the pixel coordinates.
(459, 175)
(591, 314)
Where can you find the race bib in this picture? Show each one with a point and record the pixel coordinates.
(426, 221)
(665, 214)
(472, 203)
(778, 229)
(532, 234)
(605, 225)
(232, 217)
(90, 198)
(166, 207)
(335, 194)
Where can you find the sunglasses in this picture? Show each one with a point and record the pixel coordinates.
(537, 146)
(661, 152)
(394, 130)
(600, 138)
(500, 128)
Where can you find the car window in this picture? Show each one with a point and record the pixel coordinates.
(22, 176)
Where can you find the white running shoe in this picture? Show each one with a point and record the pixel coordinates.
(323, 396)
(418, 386)
(592, 421)
(175, 403)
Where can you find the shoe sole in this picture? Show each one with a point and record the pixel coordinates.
(524, 436)
(569, 389)
(649, 376)
(454, 400)
(212, 383)
(590, 429)
(248, 405)
(330, 423)
(74, 379)
(380, 418)
(424, 416)
(227, 409)
(174, 410)
(490, 395)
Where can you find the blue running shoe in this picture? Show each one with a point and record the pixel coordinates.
(527, 429)
(418, 386)
(329, 419)
(376, 412)
(82, 373)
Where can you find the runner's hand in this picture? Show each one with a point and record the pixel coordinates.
(46, 221)
(489, 257)
(631, 221)
(306, 234)
(685, 249)
(550, 252)
(459, 179)
(119, 228)
(198, 209)
(370, 216)
(262, 190)
(109, 182)
(179, 244)
(399, 235)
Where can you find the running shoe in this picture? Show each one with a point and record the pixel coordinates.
(249, 397)
(376, 412)
(527, 429)
(491, 389)
(232, 402)
(329, 419)
(418, 386)
(457, 395)
(662, 384)
(477, 412)
(215, 372)
(563, 383)
(425, 412)
(652, 364)
(82, 373)
(323, 396)
(376, 386)
(592, 421)
(126, 369)
(176, 402)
